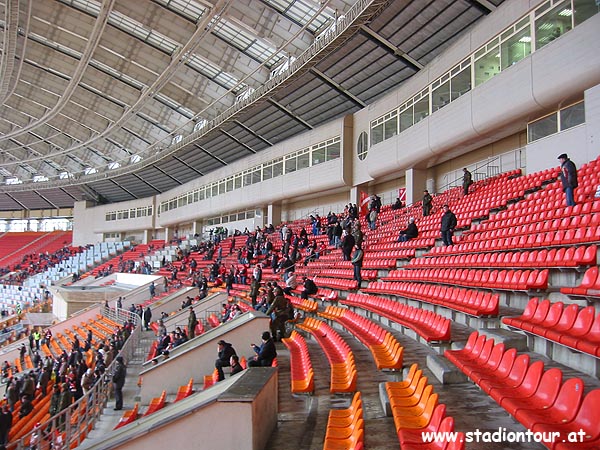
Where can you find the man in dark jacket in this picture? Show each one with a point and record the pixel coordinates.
(192, 322)
(265, 354)
(427, 199)
(226, 350)
(310, 288)
(5, 424)
(448, 225)
(410, 232)
(118, 380)
(568, 176)
(357, 262)
(147, 317)
(467, 181)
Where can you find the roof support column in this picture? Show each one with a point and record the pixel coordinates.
(416, 183)
(197, 228)
(274, 214)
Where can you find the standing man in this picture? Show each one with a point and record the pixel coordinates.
(152, 290)
(448, 225)
(427, 199)
(5, 424)
(118, 380)
(192, 322)
(357, 262)
(568, 176)
(467, 181)
(147, 317)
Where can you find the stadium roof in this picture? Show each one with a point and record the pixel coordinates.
(117, 100)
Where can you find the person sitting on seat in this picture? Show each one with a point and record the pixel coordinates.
(225, 351)
(410, 232)
(265, 354)
(310, 288)
(398, 204)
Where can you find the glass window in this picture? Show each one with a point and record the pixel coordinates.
(237, 181)
(515, 48)
(460, 84)
(267, 172)
(318, 155)
(201, 193)
(487, 66)
(572, 116)
(333, 151)
(303, 161)
(290, 165)
(241, 216)
(107, 217)
(278, 167)
(256, 175)
(221, 187)
(553, 24)
(541, 128)
(377, 134)
(406, 119)
(440, 96)
(391, 127)
(421, 109)
(362, 146)
(214, 190)
(584, 9)
(196, 196)
(229, 184)
(247, 178)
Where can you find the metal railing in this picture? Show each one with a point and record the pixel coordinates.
(73, 424)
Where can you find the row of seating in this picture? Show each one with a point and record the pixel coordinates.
(502, 279)
(185, 391)
(307, 305)
(472, 302)
(416, 412)
(336, 283)
(339, 354)
(567, 325)
(385, 348)
(557, 238)
(390, 246)
(128, 416)
(555, 257)
(533, 396)
(342, 274)
(427, 324)
(302, 374)
(566, 223)
(345, 427)
(589, 286)
(544, 220)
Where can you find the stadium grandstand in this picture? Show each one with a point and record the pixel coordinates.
(400, 197)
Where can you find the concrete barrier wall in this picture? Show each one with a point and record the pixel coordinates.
(198, 356)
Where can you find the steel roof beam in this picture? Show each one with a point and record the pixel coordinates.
(391, 48)
(237, 141)
(290, 113)
(338, 87)
(253, 133)
(210, 154)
